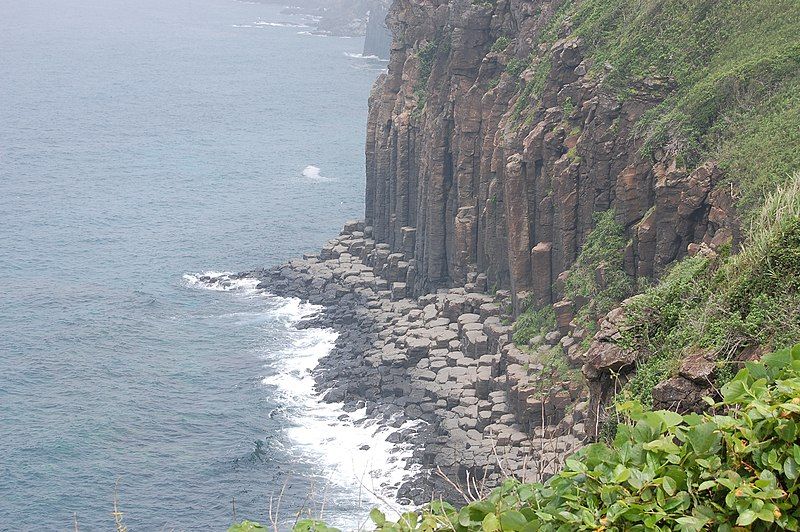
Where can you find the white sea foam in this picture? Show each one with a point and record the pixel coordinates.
(281, 24)
(220, 281)
(314, 173)
(350, 448)
(353, 447)
(362, 56)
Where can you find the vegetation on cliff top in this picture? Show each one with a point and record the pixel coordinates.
(734, 66)
(736, 468)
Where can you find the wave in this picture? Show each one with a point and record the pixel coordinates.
(352, 447)
(312, 34)
(314, 172)
(362, 56)
(220, 281)
(281, 24)
(351, 450)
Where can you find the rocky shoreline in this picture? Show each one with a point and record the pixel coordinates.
(485, 409)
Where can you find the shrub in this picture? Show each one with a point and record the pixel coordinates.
(598, 274)
(500, 44)
(664, 471)
(533, 322)
(516, 66)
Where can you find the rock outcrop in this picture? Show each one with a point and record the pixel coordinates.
(443, 362)
(494, 152)
(377, 40)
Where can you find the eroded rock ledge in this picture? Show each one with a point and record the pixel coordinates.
(444, 358)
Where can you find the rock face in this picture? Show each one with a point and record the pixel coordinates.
(499, 173)
(378, 40)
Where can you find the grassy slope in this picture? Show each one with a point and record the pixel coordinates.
(723, 304)
(736, 64)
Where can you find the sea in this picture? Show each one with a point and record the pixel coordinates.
(149, 149)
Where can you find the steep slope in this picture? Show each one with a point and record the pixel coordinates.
(501, 127)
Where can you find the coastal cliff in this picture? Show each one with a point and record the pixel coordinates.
(570, 206)
(504, 130)
(491, 144)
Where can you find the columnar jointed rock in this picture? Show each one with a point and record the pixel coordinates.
(502, 171)
(444, 359)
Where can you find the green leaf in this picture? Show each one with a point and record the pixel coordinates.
(703, 437)
(790, 468)
(691, 524)
(708, 484)
(778, 359)
(378, 517)
(669, 485)
(513, 520)
(311, 525)
(246, 526)
(735, 390)
(746, 518)
(410, 519)
(669, 418)
(491, 523)
(621, 473)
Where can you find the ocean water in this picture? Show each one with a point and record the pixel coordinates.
(146, 148)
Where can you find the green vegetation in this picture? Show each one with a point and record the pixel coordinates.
(533, 322)
(664, 471)
(568, 107)
(500, 44)
(516, 66)
(427, 54)
(735, 65)
(722, 304)
(598, 280)
(555, 369)
(533, 89)
(302, 525)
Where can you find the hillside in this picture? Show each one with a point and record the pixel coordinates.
(602, 198)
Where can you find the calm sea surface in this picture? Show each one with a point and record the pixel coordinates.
(142, 144)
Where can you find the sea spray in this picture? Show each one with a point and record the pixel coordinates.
(350, 450)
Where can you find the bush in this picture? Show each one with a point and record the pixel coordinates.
(533, 322)
(664, 471)
(516, 66)
(500, 44)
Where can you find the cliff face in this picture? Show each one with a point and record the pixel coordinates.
(377, 40)
(490, 147)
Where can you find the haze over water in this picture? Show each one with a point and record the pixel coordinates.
(141, 144)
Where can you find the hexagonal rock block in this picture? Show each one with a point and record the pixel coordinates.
(398, 291)
(417, 348)
(444, 338)
(351, 226)
(565, 312)
(454, 306)
(475, 344)
(489, 309)
(467, 318)
(467, 327)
